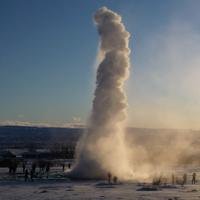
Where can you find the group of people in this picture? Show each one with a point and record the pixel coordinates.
(184, 179)
(29, 170)
(112, 178)
(31, 173)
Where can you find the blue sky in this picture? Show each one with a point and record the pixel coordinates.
(48, 50)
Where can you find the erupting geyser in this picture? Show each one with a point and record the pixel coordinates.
(103, 148)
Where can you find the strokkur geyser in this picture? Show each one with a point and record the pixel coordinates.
(103, 148)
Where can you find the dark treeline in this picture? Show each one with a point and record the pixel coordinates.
(37, 137)
(44, 137)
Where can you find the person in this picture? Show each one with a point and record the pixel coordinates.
(10, 168)
(41, 166)
(26, 175)
(24, 167)
(173, 179)
(184, 178)
(109, 177)
(47, 170)
(69, 165)
(32, 174)
(115, 179)
(33, 167)
(14, 168)
(194, 178)
(63, 167)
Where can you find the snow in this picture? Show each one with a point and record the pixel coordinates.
(73, 190)
(61, 188)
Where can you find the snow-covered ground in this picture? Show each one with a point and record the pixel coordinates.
(67, 190)
(60, 188)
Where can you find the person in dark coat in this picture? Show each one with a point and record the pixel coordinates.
(63, 167)
(32, 174)
(47, 170)
(26, 175)
(173, 179)
(69, 165)
(194, 178)
(24, 167)
(115, 179)
(109, 177)
(34, 167)
(184, 179)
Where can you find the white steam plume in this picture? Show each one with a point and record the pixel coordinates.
(103, 148)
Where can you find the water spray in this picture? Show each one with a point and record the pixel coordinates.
(102, 148)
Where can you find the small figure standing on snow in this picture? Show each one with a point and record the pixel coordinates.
(32, 174)
(173, 179)
(184, 179)
(26, 175)
(115, 179)
(34, 167)
(194, 178)
(109, 177)
(69, 165)
(47, 170)
(24, 167)
(63, 167)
